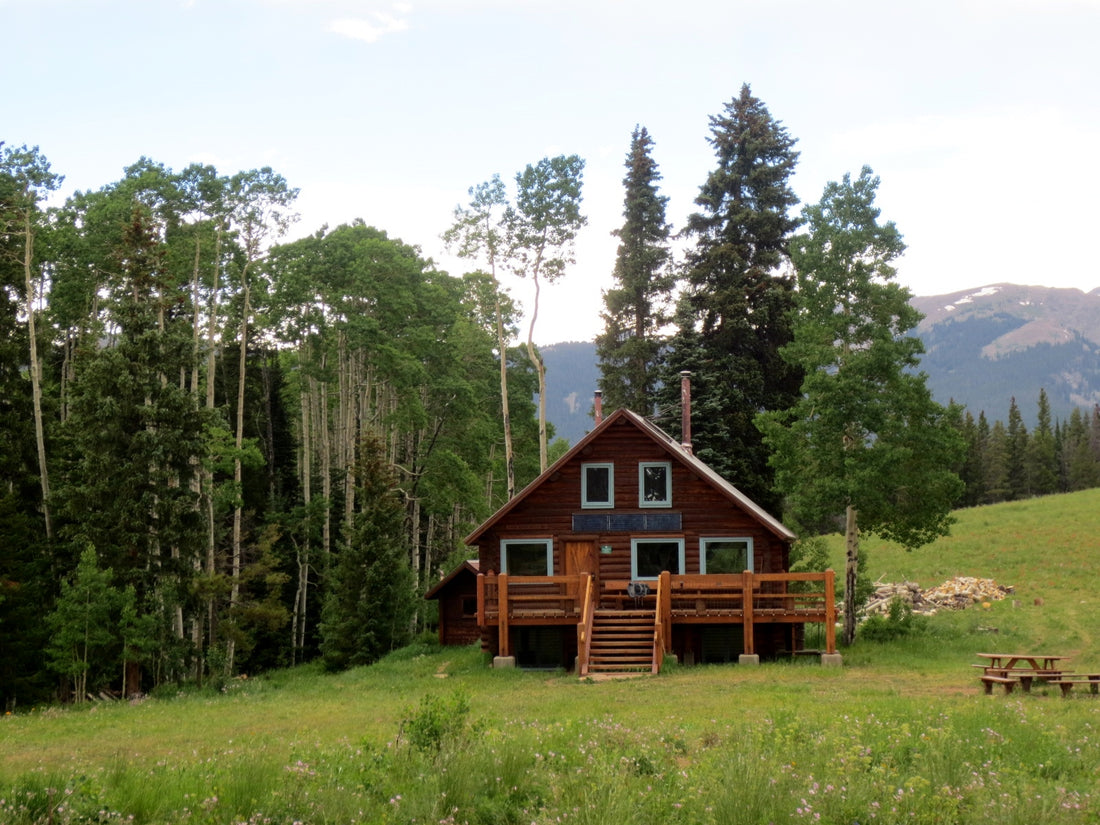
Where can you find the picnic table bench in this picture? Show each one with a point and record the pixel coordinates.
(1067, 683)
(1011, 669)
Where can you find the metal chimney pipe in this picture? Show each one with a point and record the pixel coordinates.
(598, 404)
(685, 410)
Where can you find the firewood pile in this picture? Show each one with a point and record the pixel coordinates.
(958, 593)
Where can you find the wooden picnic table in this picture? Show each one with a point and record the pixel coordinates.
(1021, 661)
(1010, 669)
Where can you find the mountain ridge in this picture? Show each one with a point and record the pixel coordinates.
(983, 347)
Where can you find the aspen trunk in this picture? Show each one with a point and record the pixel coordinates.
(35, 371)
(321, 423)
(540, 369)
(305, 469)
(509, 453)
(851, 568)
(238, 476)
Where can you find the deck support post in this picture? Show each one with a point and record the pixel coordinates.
(664, 608)
(504, 645)
(746, 590)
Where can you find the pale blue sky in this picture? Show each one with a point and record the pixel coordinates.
(982, 117)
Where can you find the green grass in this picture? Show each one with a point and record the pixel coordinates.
(901, 733)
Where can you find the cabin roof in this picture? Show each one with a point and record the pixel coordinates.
(471, 565)
(672, 447)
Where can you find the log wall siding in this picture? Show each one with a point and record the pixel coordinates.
(705, 511)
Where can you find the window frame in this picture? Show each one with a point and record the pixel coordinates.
(548, 542)
(598, 505)
(667, 500)
(636, 541)
(704, 540)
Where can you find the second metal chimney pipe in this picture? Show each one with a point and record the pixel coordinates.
(685, 410)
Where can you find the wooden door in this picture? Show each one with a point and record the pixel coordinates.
(581, 557)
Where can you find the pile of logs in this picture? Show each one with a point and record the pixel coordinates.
(955, 594)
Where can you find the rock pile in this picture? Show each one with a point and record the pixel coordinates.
(955, 594)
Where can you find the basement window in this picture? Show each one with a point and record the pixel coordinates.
(598, 485)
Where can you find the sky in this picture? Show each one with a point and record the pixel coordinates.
(981, 117)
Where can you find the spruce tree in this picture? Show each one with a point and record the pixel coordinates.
(735, 313)
(1041, 456)
(131, 439)
(368, 608)
(637, 307)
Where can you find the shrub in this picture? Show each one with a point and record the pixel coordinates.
(900, 621)
(437, 723)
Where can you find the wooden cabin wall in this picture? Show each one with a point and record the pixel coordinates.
(705, 511)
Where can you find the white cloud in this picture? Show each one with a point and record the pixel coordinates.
(369, 29)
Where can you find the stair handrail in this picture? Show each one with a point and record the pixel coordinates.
(584, 627)
(659, 642)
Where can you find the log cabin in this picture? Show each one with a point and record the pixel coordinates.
(629, 549)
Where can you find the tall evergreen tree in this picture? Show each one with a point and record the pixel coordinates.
(735, 313)
(1041, 457)
(1081, 470)
(995, 465)
(369, 604)
(132, 438)
(636, 308)
(866, 437)
(1016, 444)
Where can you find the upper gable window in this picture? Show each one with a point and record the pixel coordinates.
(655, 484)
(597, 485)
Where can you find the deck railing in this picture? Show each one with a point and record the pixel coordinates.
(741, 598)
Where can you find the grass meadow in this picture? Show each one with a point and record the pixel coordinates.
(901, 734)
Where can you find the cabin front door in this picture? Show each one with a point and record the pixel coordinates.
(582, 557)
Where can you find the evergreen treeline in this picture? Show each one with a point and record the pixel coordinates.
(1005, 461)
(221, 453)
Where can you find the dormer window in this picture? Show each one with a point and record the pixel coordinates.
(598, 485)
(655, 484)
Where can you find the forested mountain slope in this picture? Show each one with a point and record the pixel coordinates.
(984, 347)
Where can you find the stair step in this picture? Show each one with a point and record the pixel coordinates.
(622, 641)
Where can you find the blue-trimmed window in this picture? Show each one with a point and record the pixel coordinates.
(527, 557)
(725, 555)
(598, 485)
(654, 484)
(650, 557)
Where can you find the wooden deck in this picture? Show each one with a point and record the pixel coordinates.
(745, 599)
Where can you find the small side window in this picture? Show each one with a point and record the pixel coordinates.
(654, 484)
(598, 485)
(527, 557)
(725, 555)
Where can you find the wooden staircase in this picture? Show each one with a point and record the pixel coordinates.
(622, 642)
